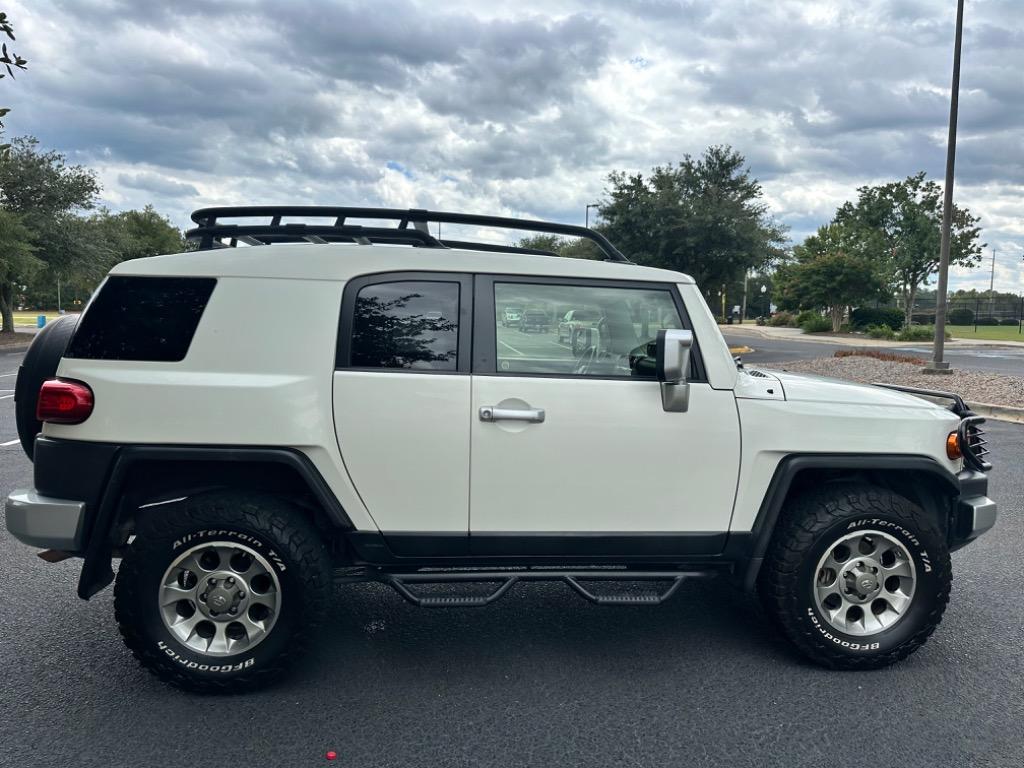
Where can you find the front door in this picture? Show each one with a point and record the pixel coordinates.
(581, 458)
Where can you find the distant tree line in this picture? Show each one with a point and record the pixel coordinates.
(707, 217)
(53, 230)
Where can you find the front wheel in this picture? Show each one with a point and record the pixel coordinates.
(219, 592)
(857, 577)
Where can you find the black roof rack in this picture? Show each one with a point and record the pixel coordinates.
(412, 228)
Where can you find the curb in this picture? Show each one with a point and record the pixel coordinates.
(998, 412)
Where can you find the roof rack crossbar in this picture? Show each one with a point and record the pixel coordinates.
(210, 232)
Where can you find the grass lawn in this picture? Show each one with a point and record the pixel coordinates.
(28, 317)
(992, 332)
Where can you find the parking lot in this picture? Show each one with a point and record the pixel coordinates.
(541, 678)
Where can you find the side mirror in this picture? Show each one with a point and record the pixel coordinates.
(673, 364)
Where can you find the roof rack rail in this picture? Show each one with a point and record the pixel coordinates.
(412, 228)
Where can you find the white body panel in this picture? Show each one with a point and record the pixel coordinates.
(827, 416)
(256, 374)
(261, 372)
(607, 458)
(405, 437)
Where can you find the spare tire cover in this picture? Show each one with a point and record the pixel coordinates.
(40, 364)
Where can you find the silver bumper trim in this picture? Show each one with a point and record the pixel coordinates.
(45, 522)
(981, 513)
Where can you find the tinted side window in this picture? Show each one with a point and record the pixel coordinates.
(408, 324)
(580, 330)
(142, 318)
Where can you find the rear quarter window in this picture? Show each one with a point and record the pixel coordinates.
(142, 318)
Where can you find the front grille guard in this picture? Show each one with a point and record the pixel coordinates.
(972, 436)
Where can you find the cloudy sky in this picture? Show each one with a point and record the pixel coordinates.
(523, 107)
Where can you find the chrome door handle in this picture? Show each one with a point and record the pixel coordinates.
(492, 413)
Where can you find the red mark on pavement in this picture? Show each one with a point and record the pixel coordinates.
(332, 755)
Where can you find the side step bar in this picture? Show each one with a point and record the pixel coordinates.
(403, 584)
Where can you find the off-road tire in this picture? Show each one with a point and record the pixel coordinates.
(809, 526)
(267, 524)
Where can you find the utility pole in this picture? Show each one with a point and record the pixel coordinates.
(937, 364)
(992, 287)
(587, 214)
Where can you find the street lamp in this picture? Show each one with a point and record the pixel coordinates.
(937, 364)
(764, 294)
(587, 214)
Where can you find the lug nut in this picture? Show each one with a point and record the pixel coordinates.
(203, 597)
(241, 595)
(230, 580)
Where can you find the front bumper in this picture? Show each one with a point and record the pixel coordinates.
(46, 522)
(975, 512)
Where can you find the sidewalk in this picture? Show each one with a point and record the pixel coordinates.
(795, 334)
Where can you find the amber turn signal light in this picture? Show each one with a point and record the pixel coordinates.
(953, 446)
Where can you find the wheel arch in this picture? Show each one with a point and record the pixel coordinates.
(921, 479)
(150, 475)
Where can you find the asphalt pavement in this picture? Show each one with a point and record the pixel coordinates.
(541, 678)
(993, 359)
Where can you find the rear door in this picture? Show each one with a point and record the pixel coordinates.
(402, 404)
(587, 461)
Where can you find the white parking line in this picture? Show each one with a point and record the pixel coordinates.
(9, 442)
(511, 347)
(4, 397)
(2, 375)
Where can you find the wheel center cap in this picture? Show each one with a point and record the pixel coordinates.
(867, 584)
(219, 599)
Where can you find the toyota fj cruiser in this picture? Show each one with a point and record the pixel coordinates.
(381, 423)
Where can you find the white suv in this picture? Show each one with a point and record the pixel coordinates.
(244, 425)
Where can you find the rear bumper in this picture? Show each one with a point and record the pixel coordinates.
(46, 522)
(975, 511)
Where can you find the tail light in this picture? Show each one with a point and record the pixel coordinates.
(64, 402)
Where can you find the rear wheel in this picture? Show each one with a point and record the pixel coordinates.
(219, 592)
(857, 577)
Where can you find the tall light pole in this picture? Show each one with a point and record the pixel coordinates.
(587, 215)
(937, 364)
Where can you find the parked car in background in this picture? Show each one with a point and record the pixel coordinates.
(575, 320)
(536, 320)
(511, 316)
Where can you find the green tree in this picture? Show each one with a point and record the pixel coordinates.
(900, 223)
(830, 270)
(17, 261)
(705, 216)
(46, 193)
(145, 233)
(570, 247)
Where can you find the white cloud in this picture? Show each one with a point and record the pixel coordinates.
(522, 107)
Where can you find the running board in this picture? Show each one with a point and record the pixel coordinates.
(403, 584)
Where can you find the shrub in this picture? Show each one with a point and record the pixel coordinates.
(816, 324)
(987, 320)
(844, 328)
(782, 319)
(960, 316)
(760, 321)
(880, 332)
(804, 316)
(919, 333)
(862, 317)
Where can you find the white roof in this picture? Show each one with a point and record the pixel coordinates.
(339, 261)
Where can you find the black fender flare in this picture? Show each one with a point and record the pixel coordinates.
(97, 572)
(760, 535)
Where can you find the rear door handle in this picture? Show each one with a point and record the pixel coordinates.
(493, 413)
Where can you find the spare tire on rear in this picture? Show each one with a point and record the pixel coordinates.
(40, 364)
